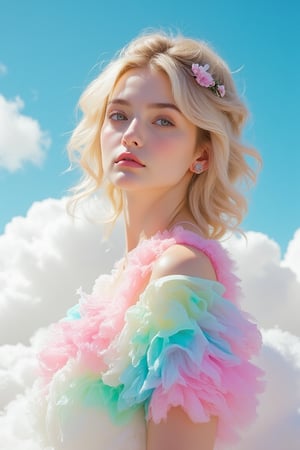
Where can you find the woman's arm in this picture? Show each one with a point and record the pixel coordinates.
(178, 432)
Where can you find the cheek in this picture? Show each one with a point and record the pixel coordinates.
(105, 136)
(108, 140)
(105, 148)
(175, 147)
(163, 145)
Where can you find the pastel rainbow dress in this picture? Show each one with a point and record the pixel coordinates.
(132, 349)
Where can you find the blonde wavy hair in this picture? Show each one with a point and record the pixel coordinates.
(215, 197)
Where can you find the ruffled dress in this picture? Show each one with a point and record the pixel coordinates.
(133, 349)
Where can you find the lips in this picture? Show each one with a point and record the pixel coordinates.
(127, 156)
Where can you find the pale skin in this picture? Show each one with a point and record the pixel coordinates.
(148, 151)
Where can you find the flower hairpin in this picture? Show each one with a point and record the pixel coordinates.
(205, 79)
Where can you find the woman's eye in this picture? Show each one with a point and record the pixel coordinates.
(164, 123)
(117, 116)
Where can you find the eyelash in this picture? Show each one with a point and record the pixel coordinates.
(163, 119)
(118, 113)
(117, 116)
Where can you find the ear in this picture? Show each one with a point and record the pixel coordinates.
(201, 162)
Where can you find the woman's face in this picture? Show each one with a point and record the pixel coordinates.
(146, 141)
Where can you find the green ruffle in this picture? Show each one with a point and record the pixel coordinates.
(93, 393)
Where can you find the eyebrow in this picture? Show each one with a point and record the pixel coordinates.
(156, 105)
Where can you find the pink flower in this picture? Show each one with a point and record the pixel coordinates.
(221, 90)
(203, 77)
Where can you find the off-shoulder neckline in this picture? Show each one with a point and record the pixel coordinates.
(191, 278)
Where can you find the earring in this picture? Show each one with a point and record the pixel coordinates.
(197, 167)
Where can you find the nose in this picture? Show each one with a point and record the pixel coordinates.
(132, 136)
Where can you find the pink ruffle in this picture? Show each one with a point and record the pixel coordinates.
(102, 318)
(102, 313)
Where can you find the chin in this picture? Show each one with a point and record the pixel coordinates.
(126, 183)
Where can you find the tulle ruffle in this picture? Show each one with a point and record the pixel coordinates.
(183, 344)
(131, 346)
(90, 326)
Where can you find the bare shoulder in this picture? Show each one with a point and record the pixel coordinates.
(182, 259)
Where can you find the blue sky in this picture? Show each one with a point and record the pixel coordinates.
(52, 49)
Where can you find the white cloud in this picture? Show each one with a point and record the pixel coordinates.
(21, 137)
(45, 256)
(17, 366)
(15, 427)
(270, 284)
(3, 69)
(292, 256)
(278, 424)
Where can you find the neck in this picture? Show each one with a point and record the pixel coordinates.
(144, 216)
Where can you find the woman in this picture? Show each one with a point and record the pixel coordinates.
(158, 356)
